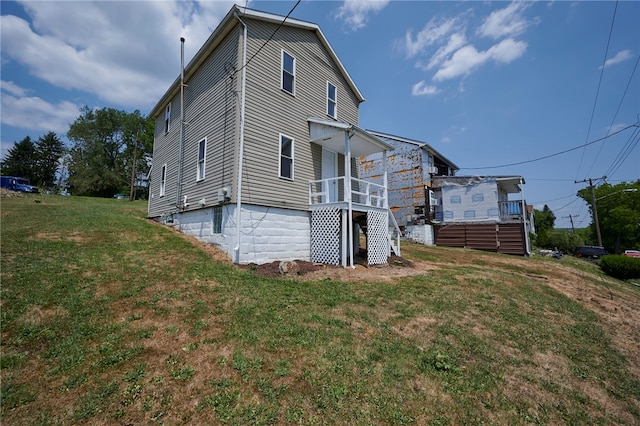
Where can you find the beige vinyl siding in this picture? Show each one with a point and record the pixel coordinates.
(210, 100)
(271, 111)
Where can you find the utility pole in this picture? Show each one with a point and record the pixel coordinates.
(593, 205)
(571, 219)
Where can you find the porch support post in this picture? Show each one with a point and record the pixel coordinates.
(347, 179)
(344, 238)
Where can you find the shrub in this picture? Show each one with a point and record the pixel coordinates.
(619, 266)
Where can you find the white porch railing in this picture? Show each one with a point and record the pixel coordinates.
(335, 190)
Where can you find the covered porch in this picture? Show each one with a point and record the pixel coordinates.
(341, 204)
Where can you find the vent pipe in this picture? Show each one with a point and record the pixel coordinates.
(181, 147)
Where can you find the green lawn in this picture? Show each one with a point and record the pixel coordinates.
(108, 318)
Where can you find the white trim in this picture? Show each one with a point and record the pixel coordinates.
(163, 179)
(283, 70)
(334, 100)
(201, 172)
(167, 118)
(280, 156)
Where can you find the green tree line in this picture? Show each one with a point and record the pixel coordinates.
(105, 146)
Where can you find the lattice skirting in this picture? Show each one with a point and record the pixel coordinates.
(377, 238)
(325, 236)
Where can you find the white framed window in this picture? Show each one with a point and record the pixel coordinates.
(286, 157)
(167, 118)
(332, 100)
(163, 179)
(202, 158)
(288, 81)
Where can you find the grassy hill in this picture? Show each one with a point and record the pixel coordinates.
(108, 318)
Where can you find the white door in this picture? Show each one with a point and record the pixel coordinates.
(330, 170)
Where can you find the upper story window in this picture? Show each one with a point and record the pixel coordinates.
(167, 118)
(163, 179)
(332, 100)
(288, 73)
(286, 157)
(202, 158)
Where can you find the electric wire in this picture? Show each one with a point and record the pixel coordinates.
(595, 102)
(616, 113)
(271, 36)
(544, 157)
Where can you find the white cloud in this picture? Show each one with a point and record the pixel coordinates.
(33, 113)
(621, 56)
(443, 46)
(355, 13)
(422, 89)
(507, 22)
(14, 89)
(432, 33)
(468, 58)
(124, 53)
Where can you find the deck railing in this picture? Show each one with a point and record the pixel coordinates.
(510, 211)
(333, 190)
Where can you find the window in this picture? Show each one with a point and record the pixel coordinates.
(288, 73)
(286, 157)
(163, 179)
(167, 118)
(217, 220)
(332, 100)
(202, 158)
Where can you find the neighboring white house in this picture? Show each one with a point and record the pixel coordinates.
(255, 148)
(433, 206)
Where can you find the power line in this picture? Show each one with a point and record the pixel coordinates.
(556, 154)
(595, 101)
(626, 89)
(271, 36)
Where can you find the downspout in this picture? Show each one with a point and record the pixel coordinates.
(236, 249)
(181, 148)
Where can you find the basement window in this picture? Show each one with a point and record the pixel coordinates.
(217, 220)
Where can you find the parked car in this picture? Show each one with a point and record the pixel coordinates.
(15, 183)
(121, 197)
(590, 252)
(632, 253)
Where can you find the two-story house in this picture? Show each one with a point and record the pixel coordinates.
(256, 143)
(433, 206)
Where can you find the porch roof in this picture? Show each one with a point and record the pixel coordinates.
(330, 135)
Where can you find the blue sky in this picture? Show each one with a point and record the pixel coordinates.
(484, 83)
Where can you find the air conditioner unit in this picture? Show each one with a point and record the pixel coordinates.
(433, 170)
(433, 200)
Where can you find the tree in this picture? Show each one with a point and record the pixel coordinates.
(619, 214)
(21, 160)
(101, 158)
(544, 222)
(37, 161)
(49, 150)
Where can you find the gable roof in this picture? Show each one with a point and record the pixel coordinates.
(419, 144)
(227, 24)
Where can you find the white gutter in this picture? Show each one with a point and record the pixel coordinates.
(525, 214)
(236, 249)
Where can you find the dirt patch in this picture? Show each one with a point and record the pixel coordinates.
(36, 315)
(4, 192)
